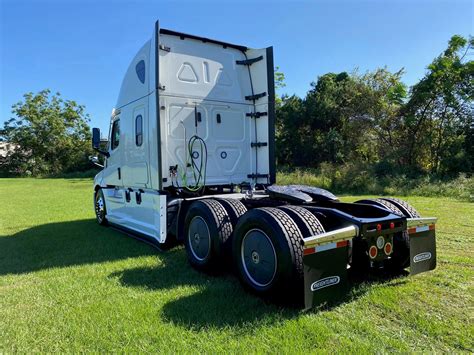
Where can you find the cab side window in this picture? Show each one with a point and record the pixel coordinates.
(115, 134)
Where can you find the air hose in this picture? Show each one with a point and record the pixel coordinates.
(198, 171)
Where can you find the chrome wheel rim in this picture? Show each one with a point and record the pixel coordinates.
(100, 208)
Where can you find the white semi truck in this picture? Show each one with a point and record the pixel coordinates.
(190, 158)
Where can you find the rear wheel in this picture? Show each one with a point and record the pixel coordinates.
(400, 258)
(408, 210)
(234, 208)
(100, 209)
(267, 250)
(307, 222)
(207, 230)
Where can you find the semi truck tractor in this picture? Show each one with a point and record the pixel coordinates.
(190, 159)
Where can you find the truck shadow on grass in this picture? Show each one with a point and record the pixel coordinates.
(217, 301)
(65, 244)
(198, 300)
(220, 301)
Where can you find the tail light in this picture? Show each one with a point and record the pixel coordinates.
(373, 252)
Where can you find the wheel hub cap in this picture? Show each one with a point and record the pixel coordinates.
(199, 238)
(259, 259)
(255, 257)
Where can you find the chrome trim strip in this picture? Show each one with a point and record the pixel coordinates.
(332, 236)
(414, 222)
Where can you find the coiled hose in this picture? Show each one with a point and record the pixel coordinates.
(199, 171)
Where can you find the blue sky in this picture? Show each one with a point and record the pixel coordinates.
(82, 48)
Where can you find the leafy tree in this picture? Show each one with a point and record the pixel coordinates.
(372, 119)
(48, 135)
(279, 84)
(288, 130)
(383, 96)
(440, 110)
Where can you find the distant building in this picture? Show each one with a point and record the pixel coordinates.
(6, 148)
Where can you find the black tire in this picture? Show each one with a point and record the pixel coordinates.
(234, 208)
(207, 230)
(307, 222)
(408, 210)
(275, 239)
(100, 208)
(400, 258)
(384, 204)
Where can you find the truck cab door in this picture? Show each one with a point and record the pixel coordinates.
(113, 171)
(141, 202)
(114, 193)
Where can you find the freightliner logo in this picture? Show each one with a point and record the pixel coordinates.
(422, 257)
(326, 282)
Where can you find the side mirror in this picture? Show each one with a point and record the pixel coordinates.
(95, 161)
(95, 138)
(96, 142)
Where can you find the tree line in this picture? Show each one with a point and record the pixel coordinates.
(352, 119)
(373, 119)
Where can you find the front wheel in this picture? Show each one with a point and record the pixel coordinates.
(100, 209)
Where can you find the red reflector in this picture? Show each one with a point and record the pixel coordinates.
(342, 244)
(432, 227)
(392, 225)
(373, 251)
(388, 248)
(379, 227)
(309, 251)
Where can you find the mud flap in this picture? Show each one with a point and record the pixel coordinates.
(325, 261)
(325, 275)
(422, 249)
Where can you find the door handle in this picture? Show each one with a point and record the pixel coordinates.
(119, 173)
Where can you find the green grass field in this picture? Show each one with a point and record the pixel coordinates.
(67, 284)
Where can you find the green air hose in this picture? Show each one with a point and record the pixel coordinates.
(199, 171)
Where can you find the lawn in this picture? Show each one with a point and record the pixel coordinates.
(67, 284)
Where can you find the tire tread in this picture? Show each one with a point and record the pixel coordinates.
(407, 209)
(311, 222)
(292, 233)
(234, 208)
